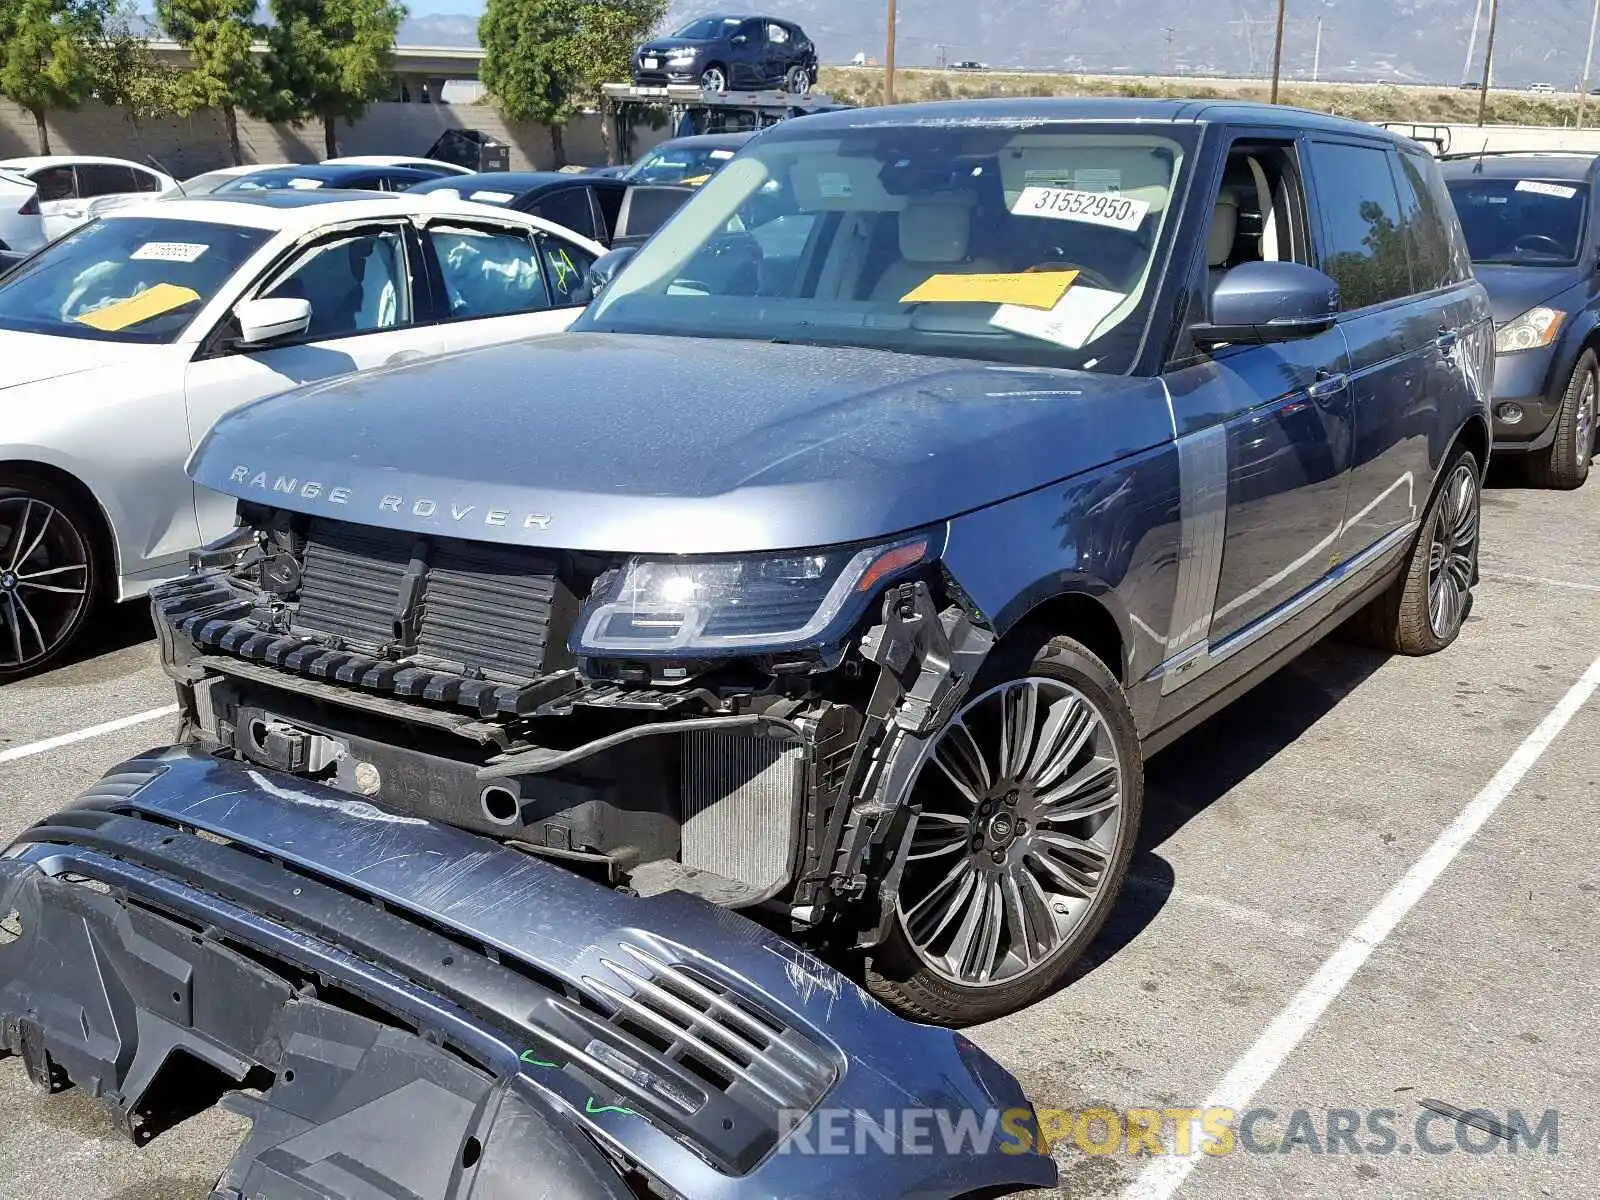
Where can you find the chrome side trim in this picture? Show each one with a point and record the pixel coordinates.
(1203, 515)
(1182, 668)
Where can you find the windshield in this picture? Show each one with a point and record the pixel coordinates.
(1027, 243)
(679, 164)
(707, 28)
(1538, 222)
(132, 279)
(273, 181)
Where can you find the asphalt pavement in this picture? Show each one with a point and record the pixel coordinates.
(1365, 902)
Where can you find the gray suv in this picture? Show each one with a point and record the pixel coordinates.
(1022, 437)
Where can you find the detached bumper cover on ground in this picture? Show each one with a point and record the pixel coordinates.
(408, 1010)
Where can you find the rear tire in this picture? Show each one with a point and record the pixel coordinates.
(798, 81)
(1564, 464)
(1019, 855)
(50, 579)
(1423, 611)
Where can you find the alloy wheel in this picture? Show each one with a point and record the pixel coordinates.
(44, 580)
(799, 81)
(1583, 438)
(1452, 552)
(714, 80)
(1021, 800)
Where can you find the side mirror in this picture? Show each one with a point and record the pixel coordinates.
(1260, 303)
(740, 39)
(606, 267)
(263, 321)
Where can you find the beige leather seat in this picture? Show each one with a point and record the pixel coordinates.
(935, 237)
(1219, 242)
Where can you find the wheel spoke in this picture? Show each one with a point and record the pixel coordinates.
(990, 930)
(1066, 878)
(45, 587)
(16, 628)
(958, 756)
(1094, 788)
(958, 878)
(19, 535)
(1023, 942)
(18, 605)
(49, 515)
(1018, 710)
(1068, 726)
(937, 834)
(52, 571)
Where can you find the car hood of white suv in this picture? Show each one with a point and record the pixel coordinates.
(37, 357)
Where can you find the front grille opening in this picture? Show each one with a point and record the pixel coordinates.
(705, 1070)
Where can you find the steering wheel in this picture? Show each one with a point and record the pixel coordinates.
(1087, 274)
(1536, 243)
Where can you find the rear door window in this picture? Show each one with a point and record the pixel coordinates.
(568, 208)
(488, 272)
(105, 179)
(1364, 245)
(1432, 238)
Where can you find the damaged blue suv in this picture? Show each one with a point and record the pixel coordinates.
(1024, 436)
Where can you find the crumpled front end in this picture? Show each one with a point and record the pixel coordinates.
(404, 1009)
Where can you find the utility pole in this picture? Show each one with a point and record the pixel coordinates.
(1166, 68)
(1472, 42)
(888, 60)
(1488, 62)
(1277, 50)
(1588, 58)
(1316, 52)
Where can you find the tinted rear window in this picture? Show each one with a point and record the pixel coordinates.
(1538, 222)
(1364, 246)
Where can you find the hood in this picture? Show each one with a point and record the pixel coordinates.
(1513, 290)
(624, 443)
(667, 45)
(36, 357)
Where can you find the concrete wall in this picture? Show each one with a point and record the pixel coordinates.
(197, 143)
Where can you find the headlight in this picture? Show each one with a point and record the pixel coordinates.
(1535, 328)
(681, 55)
(661, 607)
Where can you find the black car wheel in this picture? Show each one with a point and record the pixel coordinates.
(714, 78)
(1565, 463)
(48, 577)
(798, 81)
(1029, 803)
(1424, 610)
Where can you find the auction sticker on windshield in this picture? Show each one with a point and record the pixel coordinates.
(183, 252)
(1539, 188)
(1094, 208)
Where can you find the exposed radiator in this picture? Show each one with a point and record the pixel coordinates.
(741, 797)
(351, 582)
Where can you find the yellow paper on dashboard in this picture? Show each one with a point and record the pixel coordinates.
(150, 303)
(1029, 289)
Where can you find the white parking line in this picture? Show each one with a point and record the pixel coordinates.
(1164, 1176)
(83, 735)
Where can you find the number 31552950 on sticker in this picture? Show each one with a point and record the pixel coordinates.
(1093, 208)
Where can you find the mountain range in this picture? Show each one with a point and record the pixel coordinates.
(1411, 41)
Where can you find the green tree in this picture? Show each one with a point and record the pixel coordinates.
(607, 35)
(223, 72)
(128, 74)
(530, 62)
(45, 61)
(329, 59)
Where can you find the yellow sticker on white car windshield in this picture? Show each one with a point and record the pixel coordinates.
(1031, 289)
(148, 304)
(1111, 209)
(696, 181)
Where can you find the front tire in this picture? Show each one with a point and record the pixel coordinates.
(714, 79)
(1564, 464)
(1423, 611)
(1030, 800)
(49, 579)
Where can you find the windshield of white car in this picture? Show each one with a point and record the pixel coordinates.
(706, 28)
(1533, 222)
(125, 279)
(1022, 242)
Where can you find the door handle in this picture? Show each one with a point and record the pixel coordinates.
(1446, 342)
(1327, 384)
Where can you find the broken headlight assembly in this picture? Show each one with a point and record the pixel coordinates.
(708, 607)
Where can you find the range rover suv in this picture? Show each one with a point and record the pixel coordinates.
(1027, 435)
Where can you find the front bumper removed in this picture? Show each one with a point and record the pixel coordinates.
(405, 1009)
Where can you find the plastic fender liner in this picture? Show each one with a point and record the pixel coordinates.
(341, 964)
